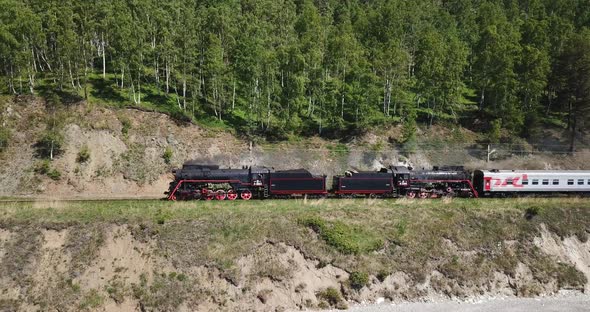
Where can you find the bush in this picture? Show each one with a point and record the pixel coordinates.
(49, 145)
(495, 131)
(44, 167)
(382, 275)
(167, 155)
(180, 116)
(331, 296)
(83, 155)
(125, 125)
(54, 174)
(409, 127)
(358, 280)
(4, 138)
(53, 101)
(347, 239)
(531, 212)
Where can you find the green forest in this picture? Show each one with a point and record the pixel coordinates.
(277, 68)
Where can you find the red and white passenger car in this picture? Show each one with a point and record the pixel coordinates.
(517, 182)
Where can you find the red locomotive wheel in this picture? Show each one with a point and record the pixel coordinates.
(423, 195)
(411, 194)
(246, 195)
(220, 194)
(232, 194)
(209, 194)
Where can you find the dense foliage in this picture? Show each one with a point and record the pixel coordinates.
(310, 67)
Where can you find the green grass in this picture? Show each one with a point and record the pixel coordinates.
(348, 239)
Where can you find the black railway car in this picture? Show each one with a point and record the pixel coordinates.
(384, 183)
(295, 182)
(366, 183)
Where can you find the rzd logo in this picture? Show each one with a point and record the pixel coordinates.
(516, 181)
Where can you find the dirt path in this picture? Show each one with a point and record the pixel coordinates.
(573, 302)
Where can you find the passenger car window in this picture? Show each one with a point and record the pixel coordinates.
(508, 181)
(545, 181)
(570, 181)
(580, 181)
(555, 182)
(535, 182)
(526, 182)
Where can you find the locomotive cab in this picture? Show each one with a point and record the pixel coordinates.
(401, 176)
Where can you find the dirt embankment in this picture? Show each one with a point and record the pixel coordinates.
(281, 255)
(129, 153)
(120, 268)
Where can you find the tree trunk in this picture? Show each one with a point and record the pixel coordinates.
(268, 113)
(167, 70)
(32, 82)
(104, 61)
(122, 76)
(71, 75)
(11, 81)
(34, 60)
(85, 81)
(573, 134)
(233, 100)
(432, 112)
(183, 91)
(342, 106)
(482, 98)
(139, 87)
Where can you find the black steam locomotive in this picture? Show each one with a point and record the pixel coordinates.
(196, 181)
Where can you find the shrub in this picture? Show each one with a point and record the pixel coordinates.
(347, 239)
(330, 295)
(125, 125)
(167, 155)
(180, 116)
(44, 167)
(409, 127)
(382, 275)
(91, 300)
(531, 212)
(54, 174)
(495, 131)
(49, 145)
(358, 280)
(83, 155)
(53, 100)
(4, 139)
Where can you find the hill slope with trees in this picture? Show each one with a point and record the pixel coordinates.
(302, 67)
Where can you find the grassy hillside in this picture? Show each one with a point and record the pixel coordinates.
(268, 254)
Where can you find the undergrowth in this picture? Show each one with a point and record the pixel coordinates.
(348, 239)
